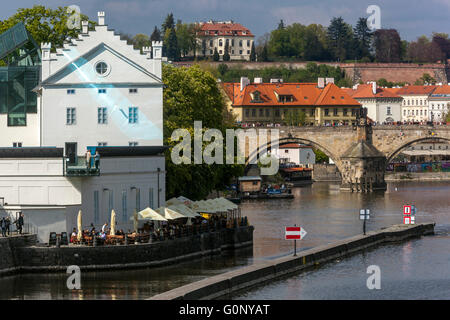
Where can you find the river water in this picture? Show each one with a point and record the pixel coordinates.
(415, 269)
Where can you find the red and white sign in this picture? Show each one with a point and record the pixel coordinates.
(294, 233)
(406, 220)
(406, 210)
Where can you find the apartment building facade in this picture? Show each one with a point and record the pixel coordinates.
(217, 34)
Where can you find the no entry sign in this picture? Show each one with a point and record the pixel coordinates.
(407, 210)
(294, 233)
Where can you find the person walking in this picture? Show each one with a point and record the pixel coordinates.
(3, 226)
(97, 159)
(7, 224)
(19, 223)
(88, 160)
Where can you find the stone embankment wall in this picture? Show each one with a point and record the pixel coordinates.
(224, 285)
(396, 72)
(25, 258)
(9, 248)
(415, 176)
(326, 172)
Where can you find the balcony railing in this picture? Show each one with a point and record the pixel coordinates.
(79, 168)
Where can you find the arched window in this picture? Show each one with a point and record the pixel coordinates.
(220, 43)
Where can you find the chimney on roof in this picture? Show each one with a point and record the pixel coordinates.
(101, 18)
(244, 82)
(320, 83)
(329, 80)
(374, 87)
(258, 80)
(84, 27)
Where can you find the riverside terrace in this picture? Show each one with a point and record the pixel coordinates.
(150, 233)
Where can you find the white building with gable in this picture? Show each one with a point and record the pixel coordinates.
(96, 93)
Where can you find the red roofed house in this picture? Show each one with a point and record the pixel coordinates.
(215, 34)
(439, 103)
(383, 104)
(322, 103)
(415, 102)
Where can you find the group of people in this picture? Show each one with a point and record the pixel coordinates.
(5, 224)
(96, 159)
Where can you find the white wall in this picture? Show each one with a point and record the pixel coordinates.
(37, 181)
(87, 131)
(28, 135)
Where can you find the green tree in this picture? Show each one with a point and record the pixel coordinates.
(216, 56)
(187, 37)
(141, 40)
(156, 35)
(425, 79)
(45, 24)
(295, 118)
(192, 95)
(169, 23)
(253, 52)
(226, 53)
(264, 54)
(363, 39)
(388, 47)
(222, 68)
(170, 45)
(340, 39)
(321, 157)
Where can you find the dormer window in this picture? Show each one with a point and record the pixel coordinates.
(256, 96)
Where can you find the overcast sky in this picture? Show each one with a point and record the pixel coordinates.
(412, 18)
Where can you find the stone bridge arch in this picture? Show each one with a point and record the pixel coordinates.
(253, 155)
(398, 149)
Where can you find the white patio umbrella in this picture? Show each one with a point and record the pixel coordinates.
(169, 214)
(184, 210)
(150, 214)
(113, 223)
(135, 221)
(80, 226)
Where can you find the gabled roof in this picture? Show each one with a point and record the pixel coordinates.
(302, 94)
(89, 55)
(365, 91)
(416, 90)
(224, 29)
(442, 90)
(332, 95)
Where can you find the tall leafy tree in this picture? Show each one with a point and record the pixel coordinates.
(169, 23)
(340, 36)
(216, 56)
(387, 45)
(45, 24)
(264, 54)
(192, 95)
(253, 52)
(226, 53)
(170, 45)
(141, 40)
(363, 39)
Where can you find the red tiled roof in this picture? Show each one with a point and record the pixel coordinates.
(302, 94)
(442, 90)
(365, 91)
(224, 29)
(415, 90)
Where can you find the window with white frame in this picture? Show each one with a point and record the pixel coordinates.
(17, 144)
(102, 144)
(101, 90)
(70, 116)
(70, 91)
(132, 144)
(133, 90)
(124, 206)
(133, 115)
(388, 111)
(102, 115)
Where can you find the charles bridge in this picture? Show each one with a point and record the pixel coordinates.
(361, 152)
